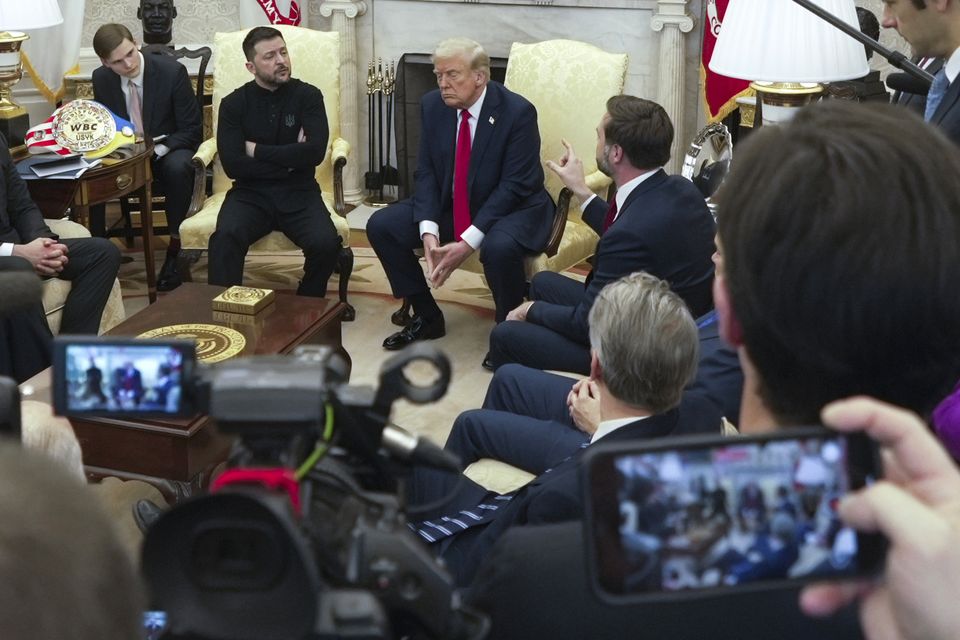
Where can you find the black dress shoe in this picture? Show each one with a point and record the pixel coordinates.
(417, 329)
(145, 513)
(487, 362)
(169, 279)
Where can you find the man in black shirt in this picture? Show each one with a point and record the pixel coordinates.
(272, 134)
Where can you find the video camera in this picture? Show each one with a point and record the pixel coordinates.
(304, 535)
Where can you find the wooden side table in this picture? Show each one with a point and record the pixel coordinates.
(109, 181)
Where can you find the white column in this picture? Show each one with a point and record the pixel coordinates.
(671, 21)
(344, 14)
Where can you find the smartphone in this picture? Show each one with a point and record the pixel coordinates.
(99, 376)
(701, 515)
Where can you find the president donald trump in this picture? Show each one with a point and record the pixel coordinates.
(478, 187)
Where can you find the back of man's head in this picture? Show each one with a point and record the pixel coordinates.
(839, 234)
(63, 572)
(645, 340)
(642, 128)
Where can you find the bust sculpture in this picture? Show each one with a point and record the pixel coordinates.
(157, 18)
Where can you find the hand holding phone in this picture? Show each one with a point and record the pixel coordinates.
(698, 515)
(918, 507)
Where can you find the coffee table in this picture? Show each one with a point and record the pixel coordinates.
(179, 455)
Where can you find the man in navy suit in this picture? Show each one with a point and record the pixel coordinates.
(640, 376)
(529, 414)
(932, 27)
(657, 223)
(479, 187)
(168, 113)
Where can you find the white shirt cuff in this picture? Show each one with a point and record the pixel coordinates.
(431, 227)
(161, 150)
(473, 237)
(583, 205)
(6, 249)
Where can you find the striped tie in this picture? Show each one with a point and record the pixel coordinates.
(445, 526)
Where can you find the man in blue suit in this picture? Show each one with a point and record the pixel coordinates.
(478, 187)
(657, 223)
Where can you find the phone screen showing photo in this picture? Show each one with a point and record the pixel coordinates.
(725, 515)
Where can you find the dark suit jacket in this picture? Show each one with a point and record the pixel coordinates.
(947, 115)
(169, 103)
(20, 219)
(505, 178)
(719, 379)
(664, 229)
(915, 101)
(554, 496)
(25, 339)
(534, 584)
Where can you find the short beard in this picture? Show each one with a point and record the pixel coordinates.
(602, 164)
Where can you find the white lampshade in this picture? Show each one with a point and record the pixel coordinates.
(26, 15)
(780, 41)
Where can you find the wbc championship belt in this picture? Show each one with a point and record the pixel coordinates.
(81, 126)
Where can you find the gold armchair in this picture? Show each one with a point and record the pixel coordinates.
(569, 83)
(315, 59)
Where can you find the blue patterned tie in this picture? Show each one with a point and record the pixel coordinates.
(446, 526)
(937, 90)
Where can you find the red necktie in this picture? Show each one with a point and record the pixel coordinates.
(461, 169)
(611, 214)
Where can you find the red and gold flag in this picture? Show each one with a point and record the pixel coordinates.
(269, 12)
(720, 93)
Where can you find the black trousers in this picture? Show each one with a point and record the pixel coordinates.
(247, 216)
(175, 174)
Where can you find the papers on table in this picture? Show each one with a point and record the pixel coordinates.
(55, 167)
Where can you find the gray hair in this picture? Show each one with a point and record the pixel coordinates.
(646, 341)
(468, 49)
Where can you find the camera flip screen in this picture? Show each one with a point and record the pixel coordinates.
(714, 517)
(122, 378)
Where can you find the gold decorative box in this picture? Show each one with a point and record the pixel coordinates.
(246, 300)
